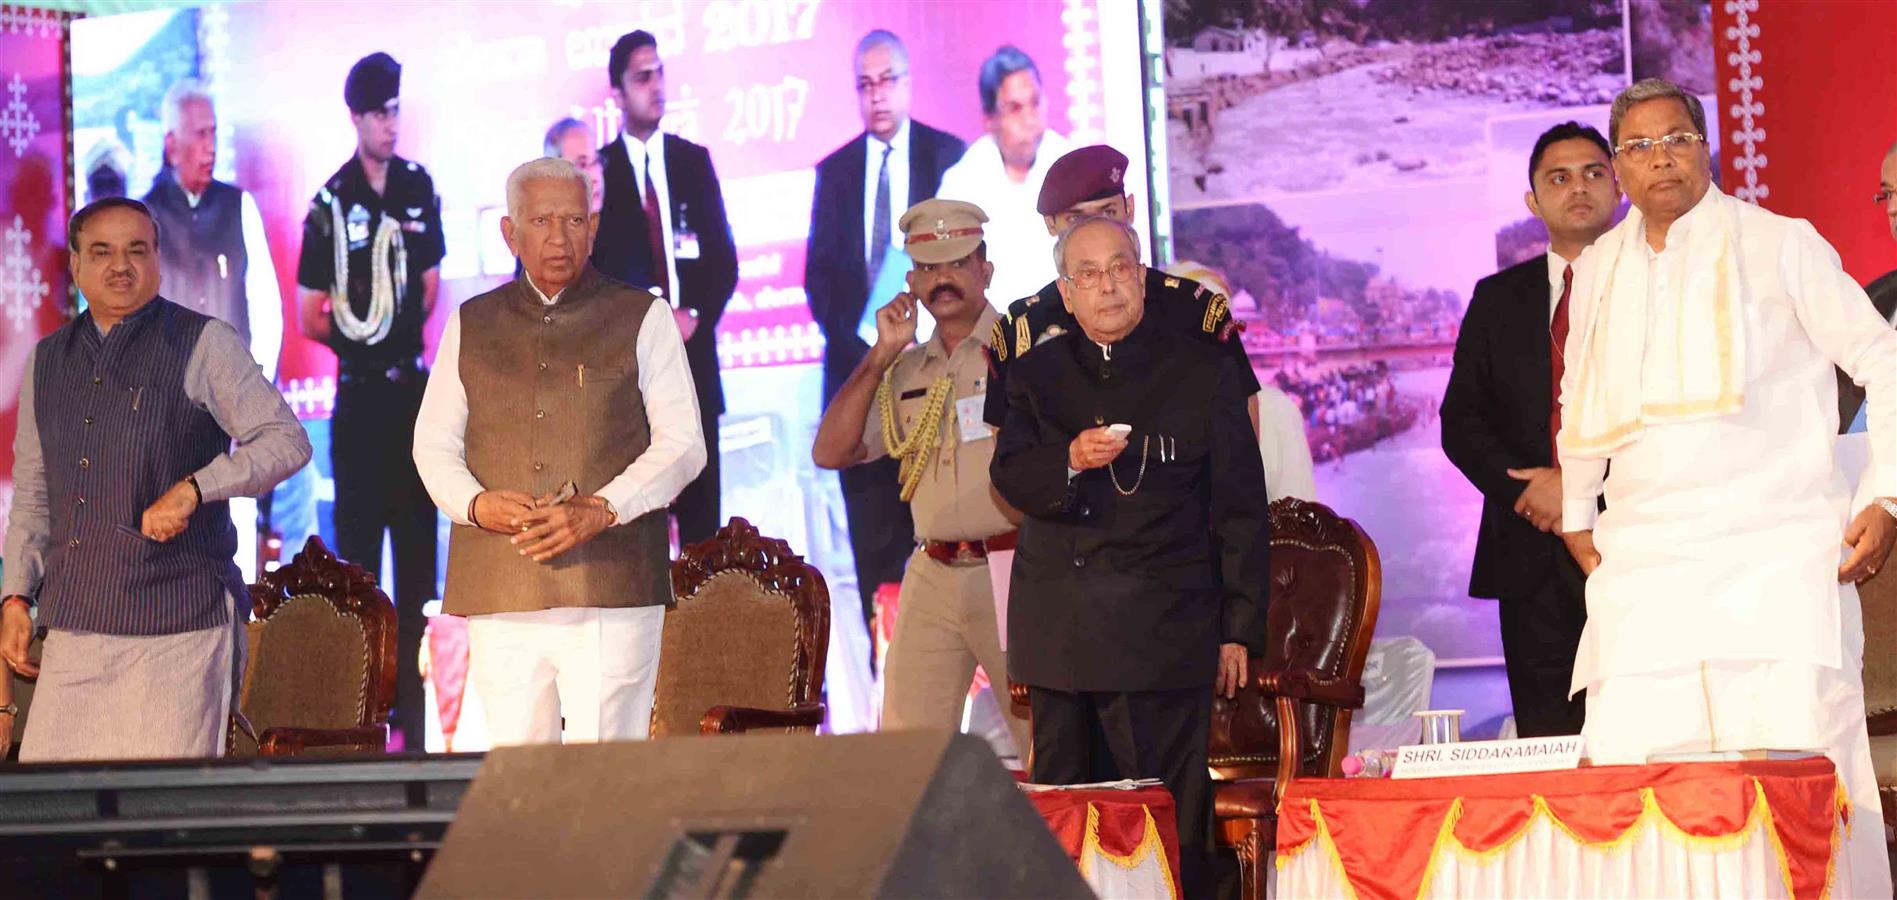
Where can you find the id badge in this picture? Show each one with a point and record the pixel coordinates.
(968, 412)
(685, 245)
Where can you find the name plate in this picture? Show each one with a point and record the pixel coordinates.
(1488, 757)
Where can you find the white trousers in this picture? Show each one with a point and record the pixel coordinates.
(1757, 705)
(578, 673)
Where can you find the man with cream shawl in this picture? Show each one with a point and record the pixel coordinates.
(1721, 599)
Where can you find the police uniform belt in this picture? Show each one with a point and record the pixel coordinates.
(966, 553)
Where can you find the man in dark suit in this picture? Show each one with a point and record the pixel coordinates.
(1883, 291)
(862, 190)
(1498, 427)
(662, 226)
(1140, 576)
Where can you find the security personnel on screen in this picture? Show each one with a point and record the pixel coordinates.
(366, 281)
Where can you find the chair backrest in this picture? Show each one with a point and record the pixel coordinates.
(321, 648)
(749, 626)
(1878, 597)
(1326, 583)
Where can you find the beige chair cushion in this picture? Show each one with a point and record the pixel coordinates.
(308, 667)
(731, 644)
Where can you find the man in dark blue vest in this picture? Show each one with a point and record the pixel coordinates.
(217, 261)
(138, 421)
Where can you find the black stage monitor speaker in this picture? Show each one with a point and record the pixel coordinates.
(899, 814)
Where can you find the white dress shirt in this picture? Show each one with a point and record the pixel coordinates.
(637, 152)
(1721, 538)
(675, 457)
(1284, 447)
(898, 187)
(1018, 243)
(1556, 265)
(261, 298)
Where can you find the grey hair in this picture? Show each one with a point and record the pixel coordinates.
(545, 168)
(1652, 89)
(1060, 243)
(184, 90)
(558, 133)
(899, 54)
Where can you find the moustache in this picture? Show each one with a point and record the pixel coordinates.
(946, 290)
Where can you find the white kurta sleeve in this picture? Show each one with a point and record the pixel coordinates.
(263, 299)
(1844, 325)
(677, 452)
(441, 431)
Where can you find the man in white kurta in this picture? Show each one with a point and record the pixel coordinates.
(1699, 364)
(1002, 173)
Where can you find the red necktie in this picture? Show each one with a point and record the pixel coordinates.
(1557, 343)
(655, 237)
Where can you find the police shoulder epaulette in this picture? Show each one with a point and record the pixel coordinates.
(1215, 312)
(1023, 338)
(1171, 282)
(998, 342)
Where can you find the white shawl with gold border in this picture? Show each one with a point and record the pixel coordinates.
(1629, 366)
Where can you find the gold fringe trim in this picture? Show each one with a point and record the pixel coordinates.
(1149, 846)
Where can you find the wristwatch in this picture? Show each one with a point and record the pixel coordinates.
(1888, 505)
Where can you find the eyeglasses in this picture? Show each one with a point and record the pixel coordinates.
(1641, 148)
(1882, 197)
(883, 82)
(1120, 271)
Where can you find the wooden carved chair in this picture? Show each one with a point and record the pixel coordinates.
(745, 639)
(1326, 584)
(1293, 718)
(1879, 599)
(320, 672)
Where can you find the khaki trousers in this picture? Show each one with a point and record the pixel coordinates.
(945, 626)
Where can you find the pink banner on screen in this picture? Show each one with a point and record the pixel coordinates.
(767, 85)
(33, 211)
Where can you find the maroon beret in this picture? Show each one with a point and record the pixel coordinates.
(1089, 173)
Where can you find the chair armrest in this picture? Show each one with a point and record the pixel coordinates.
(1311, 686)
(740, 719)
(293, 741)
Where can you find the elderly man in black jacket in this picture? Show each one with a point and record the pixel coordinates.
(1139, 583)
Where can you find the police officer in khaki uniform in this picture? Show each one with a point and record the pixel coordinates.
(923, 406)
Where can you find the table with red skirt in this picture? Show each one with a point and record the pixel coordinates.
(1765, 828)
(1126, 842)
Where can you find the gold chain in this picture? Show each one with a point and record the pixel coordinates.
(1145, 443)
(914, 451)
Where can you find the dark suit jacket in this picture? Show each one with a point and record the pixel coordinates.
(836, 273)
(1133, 590)
(1495, 418)
(621, 249)
(1883, 293)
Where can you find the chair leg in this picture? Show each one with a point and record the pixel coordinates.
(1254, 870)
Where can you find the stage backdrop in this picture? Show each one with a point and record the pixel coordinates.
(34, 295)
(767, 85)
(1354, 168)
